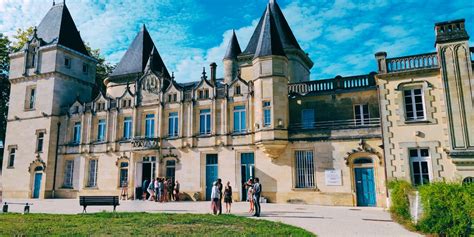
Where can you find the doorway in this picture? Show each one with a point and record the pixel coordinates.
(37, 185)
(365, 186)
(247, 171)
(211, 173)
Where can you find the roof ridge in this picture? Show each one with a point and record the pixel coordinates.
(269, 41)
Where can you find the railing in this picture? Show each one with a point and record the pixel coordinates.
(145, 142)
(337, 124)
(338, 83)
(413, 62)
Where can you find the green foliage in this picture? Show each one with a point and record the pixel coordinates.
(21, 38)
(400, 206)
(102, 71)
(141, 224)
(448, 209)
(4, 84)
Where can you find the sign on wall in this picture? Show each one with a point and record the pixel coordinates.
(333, 177)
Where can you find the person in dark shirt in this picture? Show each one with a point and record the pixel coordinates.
(219, 185)
(257, 190)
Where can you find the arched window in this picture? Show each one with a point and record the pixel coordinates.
(360, 161)
(31, 57)
(468, 180)
(38, 168)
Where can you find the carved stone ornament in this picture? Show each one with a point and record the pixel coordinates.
(365, 148)
(272, 149)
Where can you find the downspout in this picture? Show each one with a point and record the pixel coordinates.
(56, 160)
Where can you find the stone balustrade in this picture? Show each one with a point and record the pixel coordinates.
(338, 83)
(413, 62)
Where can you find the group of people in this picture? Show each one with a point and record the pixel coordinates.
(160, 190)
(254, 190)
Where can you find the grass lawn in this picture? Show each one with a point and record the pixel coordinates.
(142, 224)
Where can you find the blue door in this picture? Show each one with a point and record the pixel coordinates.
(211, 173)
(365, 186)
(247, 170)
(37, 187)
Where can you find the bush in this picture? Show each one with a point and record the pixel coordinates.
(448, 209)
(399, 205)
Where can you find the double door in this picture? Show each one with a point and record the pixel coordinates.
(247, 171)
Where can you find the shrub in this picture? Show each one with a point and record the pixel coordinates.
(400, 206)
(448, 209)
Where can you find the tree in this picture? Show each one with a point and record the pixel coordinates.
(4, 88)
(102, 71)
(21, 38)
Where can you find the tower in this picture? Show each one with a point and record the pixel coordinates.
(270, 78)
(50, 73)
(230, 59)
(456, 72)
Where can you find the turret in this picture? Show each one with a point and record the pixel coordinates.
(230, 59)
(456, 72)
(270, 78)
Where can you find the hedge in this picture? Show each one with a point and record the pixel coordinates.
(448, 208)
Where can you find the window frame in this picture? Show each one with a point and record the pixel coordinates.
(362, 121)
(419, 159)
(92, 176)
(173, 124)
(127, 127)
(85, 68)
(150, 125)
(205, 119)
(76, 132)
(68, 180)
(241, 112)
(267, 113)
(101, 130)
(40, 141)
(12, 150)
(67, 62)
(304, 168)
(414, 111)
(30, 98)
(123, 168)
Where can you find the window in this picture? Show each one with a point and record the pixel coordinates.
(171, 169)
(205, 121)
(77, 133)
(203, 94)
(175, 97)
(150, 125)
(85, 68)
(101, 130)
(361, 114)
(304, 169)
(206, 93)
(11, 157)
(123, 174)
(420, 166)
(170, 98)
(127, 128)
(237, 90)
(267, 117)
(92, 181)
(30, 98)
(173, 124)
(68, 173)
(239, 119)
(307, 118)
(100, 106)
(67, 62)
(39, 141)
(127, 103)
(32, 50)
(414, 105)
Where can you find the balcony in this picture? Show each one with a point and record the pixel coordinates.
(336, 129)
(144, 143)
(413, 62)
(336, 84)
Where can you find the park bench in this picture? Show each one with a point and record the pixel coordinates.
(26, 210)
(98, 201)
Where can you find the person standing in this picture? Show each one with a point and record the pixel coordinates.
(160, 189)
(215, 195)
(249, 186)
(144, 187)
(228, 197)
(176, 191)
(219, 185)
(157, 191)
(150, 189)
(169, 187)
(257, 190)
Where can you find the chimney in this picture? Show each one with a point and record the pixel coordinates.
(213, 73)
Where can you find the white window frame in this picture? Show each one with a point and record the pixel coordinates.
(240, 116)
(101, 130)
(413, 104)
(418, 159)
(40, 141)
(304, 169)
(68, 174)
(149, 125)
(364, 118)
(76, 133)
(267, 113)
(127, 127)
(205, 123)
(173, 124)
(92, 175)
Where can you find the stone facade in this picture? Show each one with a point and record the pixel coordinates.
(331, 142)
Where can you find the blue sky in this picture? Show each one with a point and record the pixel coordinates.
(341, 36)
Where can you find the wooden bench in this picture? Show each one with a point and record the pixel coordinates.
(98, 201)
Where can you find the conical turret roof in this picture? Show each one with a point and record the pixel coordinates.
(284, 32)
(233, 50)
(268, 41)
(58, 27)
(139, 53)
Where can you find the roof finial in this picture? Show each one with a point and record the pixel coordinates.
(204, 73)
(54, 2)
(172, 76)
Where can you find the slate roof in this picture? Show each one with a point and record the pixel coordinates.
(58, 27)
(141, 50)
(233, 49)
(268, 41)
(287, 38)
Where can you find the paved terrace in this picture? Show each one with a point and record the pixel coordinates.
(322, 220)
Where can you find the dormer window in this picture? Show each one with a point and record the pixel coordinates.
(100, 106)
(76, 109)
(67, 62)
(172, 97)
(85, 68)
(127, 103)
(31, 58)
(203, 94)
(237, 90)
(175, 97)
